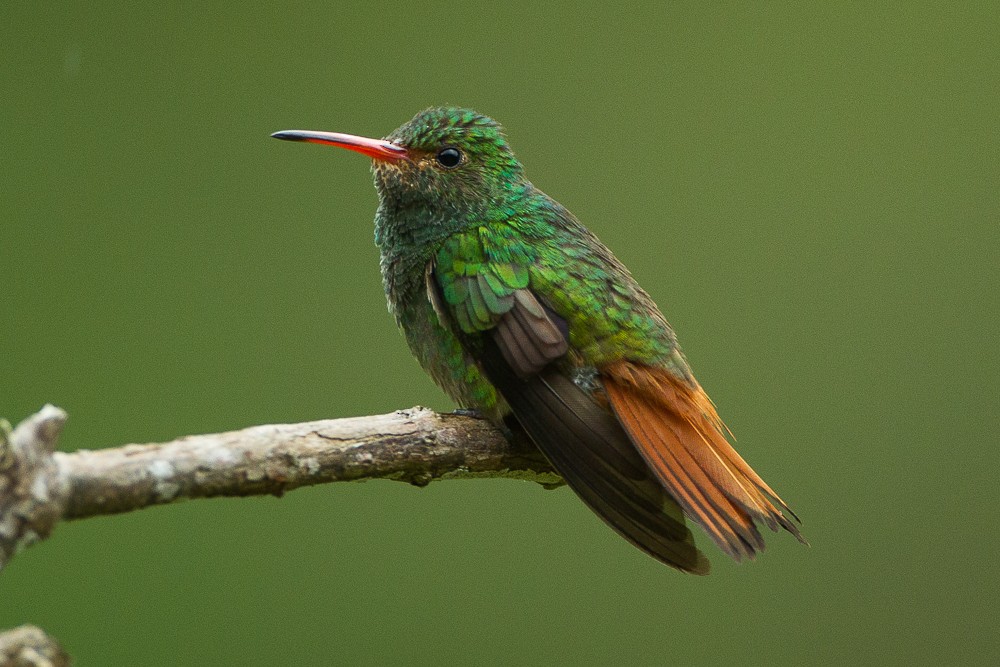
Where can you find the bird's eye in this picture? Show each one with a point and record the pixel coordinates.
(449, 157)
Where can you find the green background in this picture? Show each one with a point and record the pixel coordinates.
(811, 195)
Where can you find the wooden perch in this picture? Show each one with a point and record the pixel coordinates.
(39, 486)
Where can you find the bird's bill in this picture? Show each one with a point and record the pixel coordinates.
(376, 149)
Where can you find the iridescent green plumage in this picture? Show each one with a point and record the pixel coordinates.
(492, 222)
(518, 311)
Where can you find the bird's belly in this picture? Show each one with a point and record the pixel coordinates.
(441, 355)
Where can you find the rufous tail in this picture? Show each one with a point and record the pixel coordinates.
(675, 427)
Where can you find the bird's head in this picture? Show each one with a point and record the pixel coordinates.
(445, 160)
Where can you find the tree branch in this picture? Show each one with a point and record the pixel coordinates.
(39, 487)
(32, 487)
(28, 646)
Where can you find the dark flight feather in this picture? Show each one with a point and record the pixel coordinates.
(527, 337)
(582, 439)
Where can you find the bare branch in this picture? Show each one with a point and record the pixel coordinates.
(28, 646)
(32, 488)
(39, 487)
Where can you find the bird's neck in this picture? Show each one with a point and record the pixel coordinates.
(406, 241)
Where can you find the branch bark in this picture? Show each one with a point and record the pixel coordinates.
(28, 646)
(32, 487)
(39, 487)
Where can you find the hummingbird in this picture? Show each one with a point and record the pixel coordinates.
(522, 315)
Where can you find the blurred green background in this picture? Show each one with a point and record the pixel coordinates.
(810, 194)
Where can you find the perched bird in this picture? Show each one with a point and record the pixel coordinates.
(519, 312)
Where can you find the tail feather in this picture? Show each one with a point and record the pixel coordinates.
(676, 428)
(588, 447)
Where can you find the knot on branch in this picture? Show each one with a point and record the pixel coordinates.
(32, 490)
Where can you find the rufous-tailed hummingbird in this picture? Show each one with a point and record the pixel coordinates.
(518, 311)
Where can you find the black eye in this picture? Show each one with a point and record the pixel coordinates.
(449, 157)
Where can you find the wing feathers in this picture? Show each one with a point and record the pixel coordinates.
(527, 336)
(596, 458)
(518, 349)
(661, 449)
